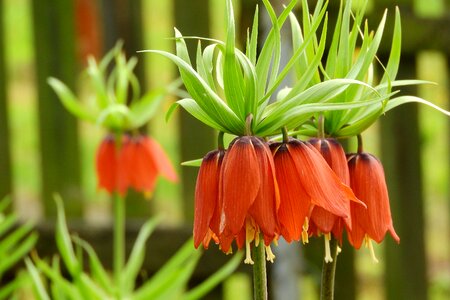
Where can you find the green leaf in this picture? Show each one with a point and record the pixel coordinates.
(192, 163)
(394, 56)
(99, 274)
(213, 280)
(4, 203)
(410, 99)
(63, 285)
(172, 275)
(273, 117)
(192, 107)
(141, 111)
(137, 255)
(232, 75)
(217, 111)
(38, 286)
(70, 102)
(63, 239)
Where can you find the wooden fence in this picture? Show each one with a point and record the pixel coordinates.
(53, 27)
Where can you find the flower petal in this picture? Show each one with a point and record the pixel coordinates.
(162, 162)
(264, 208)
(206, 194)
(294, 201)
(320, 182)
(240, 179)
(106, 165)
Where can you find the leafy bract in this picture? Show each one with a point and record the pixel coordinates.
(119, 106)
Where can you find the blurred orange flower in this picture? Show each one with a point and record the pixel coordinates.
(135, 162)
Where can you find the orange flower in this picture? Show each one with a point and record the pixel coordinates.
(306, 181)
(321, 220)
(368, 182)
(136, 164)
(237, 198)
(106, 164)
(207, 211)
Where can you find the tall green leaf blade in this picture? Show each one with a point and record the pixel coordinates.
(213, 280)
(70, 102)
(232, 75)
(137, 255)
(38, 286)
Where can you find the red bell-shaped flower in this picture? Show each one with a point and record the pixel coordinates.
(134, 162)
(207, 207)
(248, 194)
(236, 197)
(368, 182)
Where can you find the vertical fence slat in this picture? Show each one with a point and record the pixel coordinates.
(54, 36)
(405, 272)
(5, 151)
(192, 19)
(123, 21)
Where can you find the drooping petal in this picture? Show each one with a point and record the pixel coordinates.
(144, 170)
(369, 184)
(106, 165)
(294, 201)
(320, 182)
(241, 180)
(162, 162)
(264, 208)
(206, 194)
(321, 220)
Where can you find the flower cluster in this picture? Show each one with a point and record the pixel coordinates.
(262, 187)
(290, 189)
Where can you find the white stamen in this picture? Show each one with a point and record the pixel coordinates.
(269, 254)
(328, 257)
(369, 245)
(248, 256)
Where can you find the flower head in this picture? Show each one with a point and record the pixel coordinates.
(368, 182)
(134, 162)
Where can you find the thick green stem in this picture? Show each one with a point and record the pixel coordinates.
(328, 272)
(119, 238)
(259, 273)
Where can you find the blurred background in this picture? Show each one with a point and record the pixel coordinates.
(44, 150)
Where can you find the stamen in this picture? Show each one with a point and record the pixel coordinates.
(368, 243)
(305, 236)
(249, 237)
(269, 254)
(339, 250)
(327, 238)
(248, 256)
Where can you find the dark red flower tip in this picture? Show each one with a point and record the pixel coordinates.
(368, 182)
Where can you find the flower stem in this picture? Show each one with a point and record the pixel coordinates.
(360, 143)
(119, 238)
(321, 127)
(328, 272)
(259, 273)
